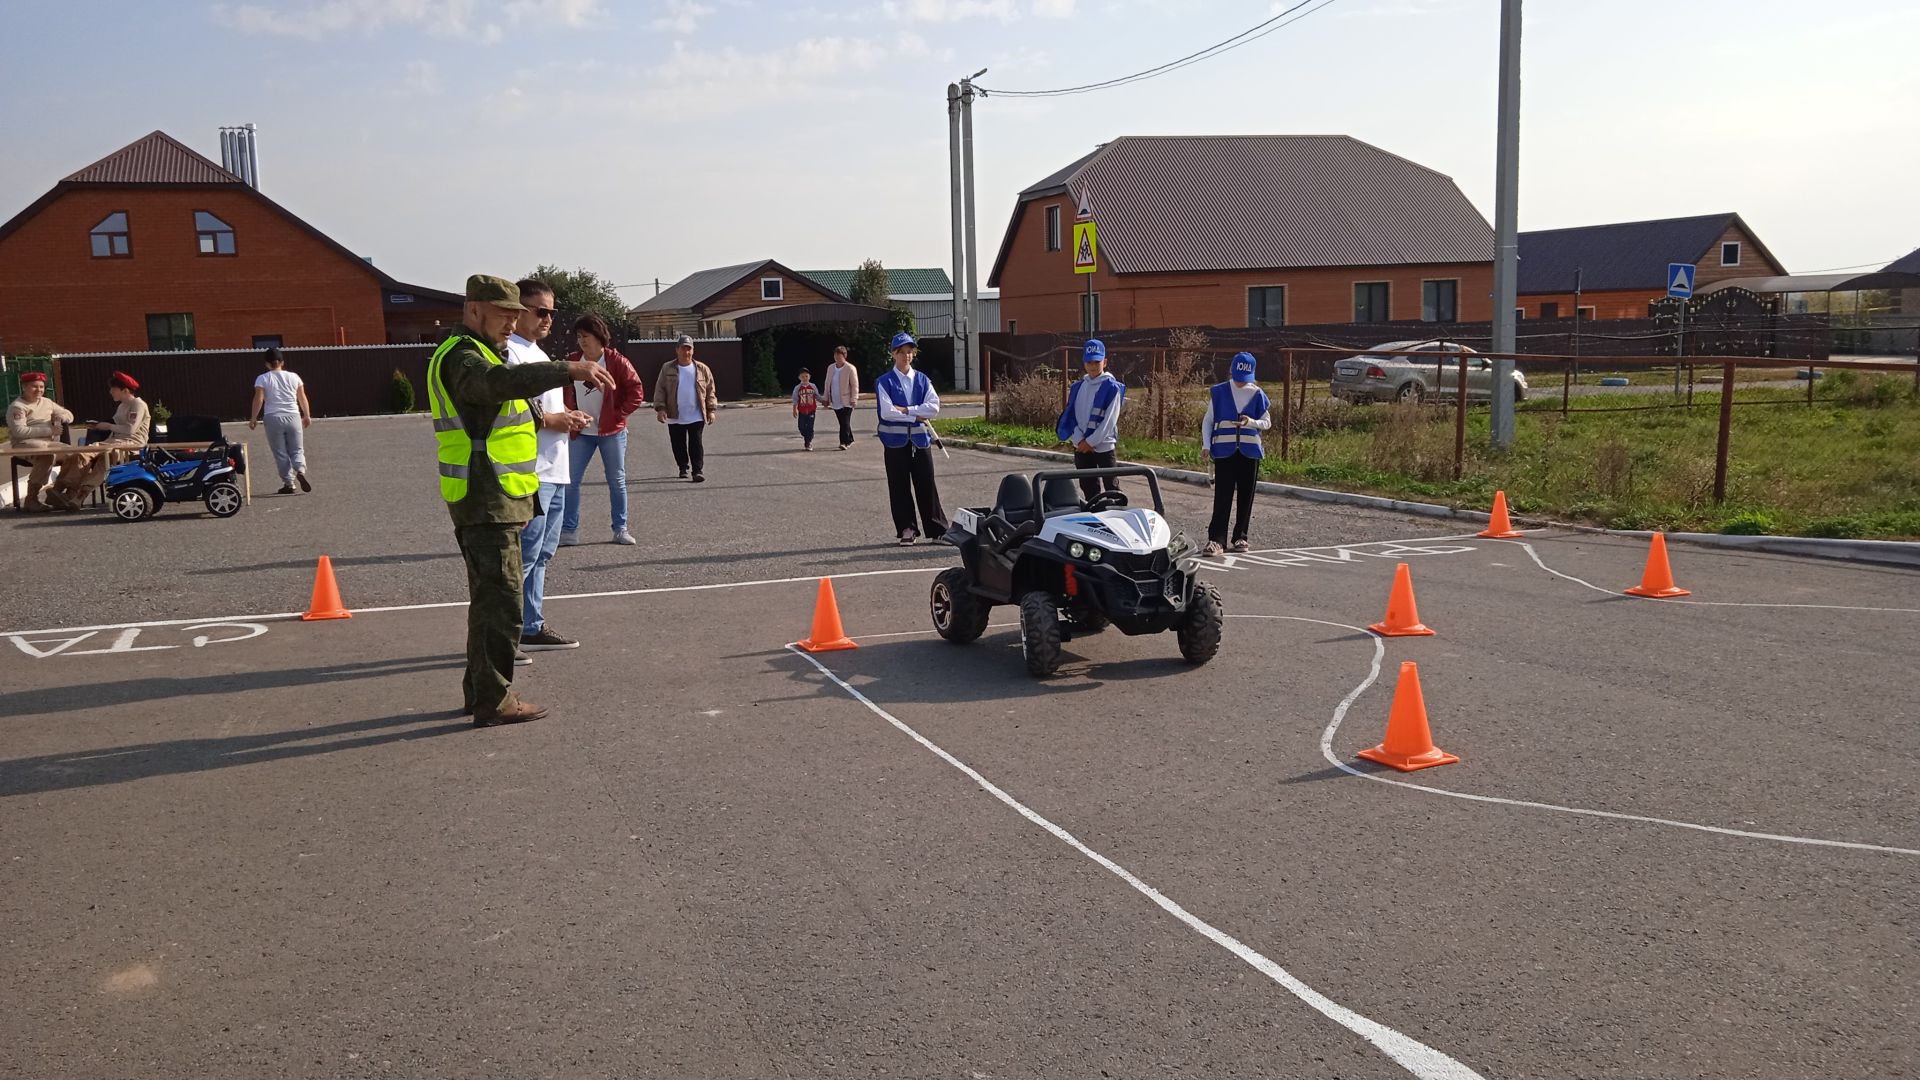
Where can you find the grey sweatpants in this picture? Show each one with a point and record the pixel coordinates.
(289, 446)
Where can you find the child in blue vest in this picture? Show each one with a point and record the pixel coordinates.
(1091, 420)
(1237, 413)
(906, 401)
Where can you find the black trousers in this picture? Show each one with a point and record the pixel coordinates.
(1232, 476)
(845, 416)
(687, 448)
(1097, 459)
(806, 428)
(910, 484)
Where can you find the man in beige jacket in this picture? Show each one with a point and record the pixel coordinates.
(684, 400)
(33, 423)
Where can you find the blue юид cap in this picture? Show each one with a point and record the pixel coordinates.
(1243, 367)
(902, 338)
(1095, 350)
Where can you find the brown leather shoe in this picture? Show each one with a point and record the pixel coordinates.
(520, 712)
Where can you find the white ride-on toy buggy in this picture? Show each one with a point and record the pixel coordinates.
(1075, 568)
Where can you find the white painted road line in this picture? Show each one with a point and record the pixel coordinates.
(1416, 1057)
(1373, 674)
(1681, 602)
(463, 603)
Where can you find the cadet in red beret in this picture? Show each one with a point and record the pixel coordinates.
(131, 422)
(33, 423)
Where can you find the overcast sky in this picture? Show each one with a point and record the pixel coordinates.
(650, 138)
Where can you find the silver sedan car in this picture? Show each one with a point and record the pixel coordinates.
(1369, 377)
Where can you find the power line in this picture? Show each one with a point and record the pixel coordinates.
(1876, 264)
(1244, 37)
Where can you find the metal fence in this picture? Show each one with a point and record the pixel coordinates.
(1568, 385)
(350, 380)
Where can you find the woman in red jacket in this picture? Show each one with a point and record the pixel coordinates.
(607, 434)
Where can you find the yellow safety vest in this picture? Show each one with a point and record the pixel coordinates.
(511, 446)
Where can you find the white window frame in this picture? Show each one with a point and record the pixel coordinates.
(1052, 227)
(1283, 301)
(779, 288)
(1735, 245)
(1586, 313)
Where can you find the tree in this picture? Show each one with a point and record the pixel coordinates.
(580, 292)
(869, 284)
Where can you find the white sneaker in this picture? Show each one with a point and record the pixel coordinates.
(623, 538)
(569, 539)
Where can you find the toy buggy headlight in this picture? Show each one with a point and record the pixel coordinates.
(1077, 549)
(1094, 554)
(1180, 548)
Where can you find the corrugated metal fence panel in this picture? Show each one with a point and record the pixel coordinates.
(341, 381)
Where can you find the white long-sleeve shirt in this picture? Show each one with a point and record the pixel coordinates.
(897, 411)
(1104, 434)
(1242, 393)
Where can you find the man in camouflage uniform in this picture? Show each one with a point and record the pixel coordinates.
(487, 520)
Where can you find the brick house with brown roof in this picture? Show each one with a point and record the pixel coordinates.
(1237, 231)
(1622, 267)
(155, 247)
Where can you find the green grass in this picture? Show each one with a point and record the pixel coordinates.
(1848, 468)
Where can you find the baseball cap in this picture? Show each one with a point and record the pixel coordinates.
(683, 339)
(902, 338)
(1243, 367)
(1095, 350)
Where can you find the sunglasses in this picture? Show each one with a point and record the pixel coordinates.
(543, 312)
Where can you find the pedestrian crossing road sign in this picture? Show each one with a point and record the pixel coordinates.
(1086, 248)
(1680, 280)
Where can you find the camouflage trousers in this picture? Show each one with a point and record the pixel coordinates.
(492, 554)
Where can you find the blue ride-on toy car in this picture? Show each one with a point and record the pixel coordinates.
(137, 489)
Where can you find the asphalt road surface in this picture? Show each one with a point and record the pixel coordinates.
(1683, 839)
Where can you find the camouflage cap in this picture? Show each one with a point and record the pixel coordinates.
(498, 291)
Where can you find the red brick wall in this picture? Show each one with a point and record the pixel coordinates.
(283, 280)
(1607, 304)
(1040, 292)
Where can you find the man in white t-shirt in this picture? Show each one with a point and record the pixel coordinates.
(540, 538)
(281, 398)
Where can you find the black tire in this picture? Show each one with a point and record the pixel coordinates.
(1040, 633)
(1199, 632)
(958, 614)
(1411, 391)
(223, 498)
(131, 504)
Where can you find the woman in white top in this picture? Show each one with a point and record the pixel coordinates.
(280, 397)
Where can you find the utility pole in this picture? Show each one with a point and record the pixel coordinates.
(1506, 198)
(956, 210)
(971, 378)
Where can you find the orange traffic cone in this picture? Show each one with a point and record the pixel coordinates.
(1498, 527)
(1657, 579)
(827, 633)
(326, 595)
(1403, 615)
(1409, 745)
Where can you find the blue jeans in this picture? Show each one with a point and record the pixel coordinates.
(613, 458)
(538, 541)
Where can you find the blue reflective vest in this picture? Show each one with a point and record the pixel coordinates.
(1111, 389)
(890, 387)
(1228, 438)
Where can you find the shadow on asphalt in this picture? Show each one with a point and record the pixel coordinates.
(161, 688)
(122, 764)
(931, 671)
(350, 560)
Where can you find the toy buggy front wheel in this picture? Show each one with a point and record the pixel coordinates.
(223, 498)
(131, 504)
(1199, 632)
(1040, 632)
(958, 615)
